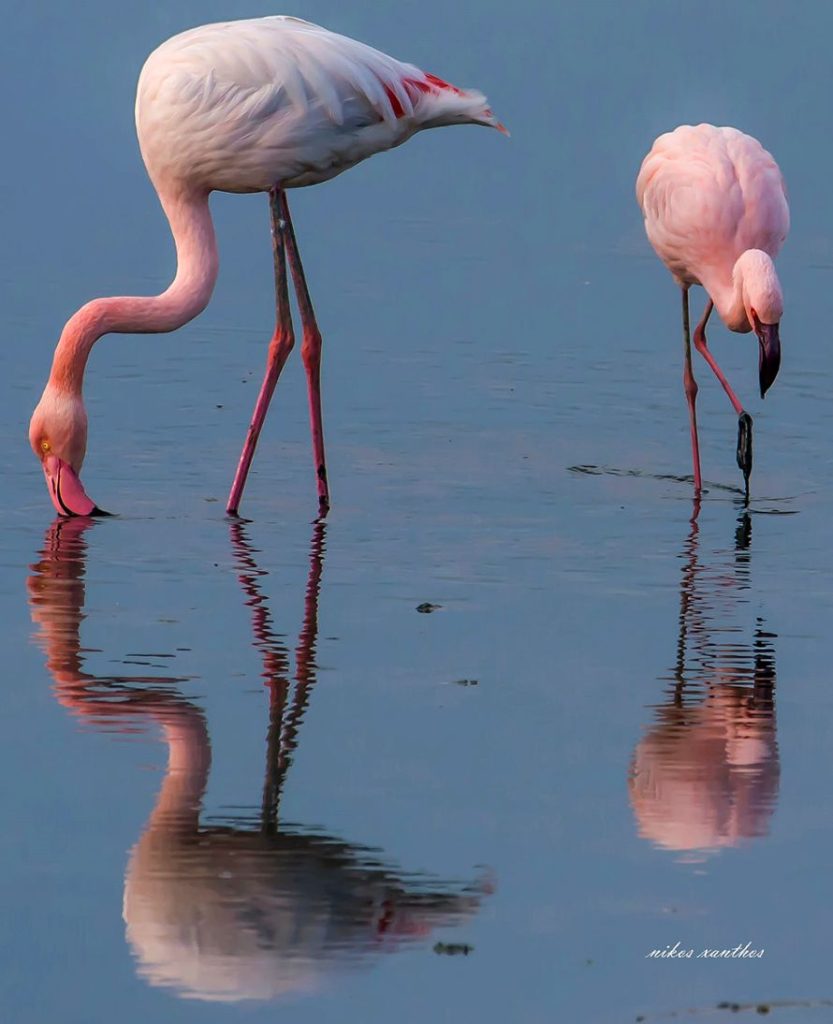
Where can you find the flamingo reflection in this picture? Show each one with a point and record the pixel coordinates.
(247, 907)
(706, 773)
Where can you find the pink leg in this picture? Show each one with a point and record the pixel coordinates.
(311, 354)
(279, 349)
(744, 450)
(703, 349)
(690, 385)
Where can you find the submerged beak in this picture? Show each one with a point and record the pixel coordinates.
(770, 356)
(66, 490)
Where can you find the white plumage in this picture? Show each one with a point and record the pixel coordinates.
(242, 106)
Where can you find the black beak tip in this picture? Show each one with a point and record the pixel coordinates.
(94, 513)
(768, 374)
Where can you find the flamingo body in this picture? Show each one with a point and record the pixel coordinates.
(262, 105)
(709, 195)
(241, 106)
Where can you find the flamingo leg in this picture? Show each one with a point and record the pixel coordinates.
(690, 386)
(703, 349)
(279, 348)
(311, 355)
(744, 452)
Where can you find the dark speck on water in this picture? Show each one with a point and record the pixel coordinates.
(279, 824)
(453, 948)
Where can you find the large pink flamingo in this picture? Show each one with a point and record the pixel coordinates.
(716, 213)
(245, 106)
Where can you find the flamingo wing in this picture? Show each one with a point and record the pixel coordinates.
(766, 217)
(280, 99)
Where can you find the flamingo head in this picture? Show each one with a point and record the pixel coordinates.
(764, 305)
(58, 436)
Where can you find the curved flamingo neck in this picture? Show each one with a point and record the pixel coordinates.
(728, 299)
(753, 280)
(187, 295)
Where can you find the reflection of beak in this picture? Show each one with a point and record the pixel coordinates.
(770, 357)
(66, 490)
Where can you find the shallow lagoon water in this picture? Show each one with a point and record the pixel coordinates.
(639, 756)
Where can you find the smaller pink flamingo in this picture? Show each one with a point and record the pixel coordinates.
(245, 106)
(716, 213)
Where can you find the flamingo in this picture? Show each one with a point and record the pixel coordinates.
(261, 105)
(716, 213)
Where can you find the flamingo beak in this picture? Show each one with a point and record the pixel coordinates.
(770, 355)
(66, 490)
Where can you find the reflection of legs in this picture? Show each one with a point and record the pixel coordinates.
(279, 349)
(285, 714)
(687, 597)
(744, 453)
(275, 764)
(690, 385)
(311, 354)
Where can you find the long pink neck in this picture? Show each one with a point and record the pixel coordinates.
(727, 296)
(187, 295)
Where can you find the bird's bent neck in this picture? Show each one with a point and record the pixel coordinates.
(187, 295)
(729, 295)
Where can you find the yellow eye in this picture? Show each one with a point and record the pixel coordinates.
(44, 446)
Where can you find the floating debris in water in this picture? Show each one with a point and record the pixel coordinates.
(426, 607)
(453, 948)
(760, 1008)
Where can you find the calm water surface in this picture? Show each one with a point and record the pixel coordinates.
(244, 776)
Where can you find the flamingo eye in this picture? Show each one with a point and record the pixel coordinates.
(45, 446)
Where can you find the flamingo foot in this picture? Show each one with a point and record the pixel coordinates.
(744, 453)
